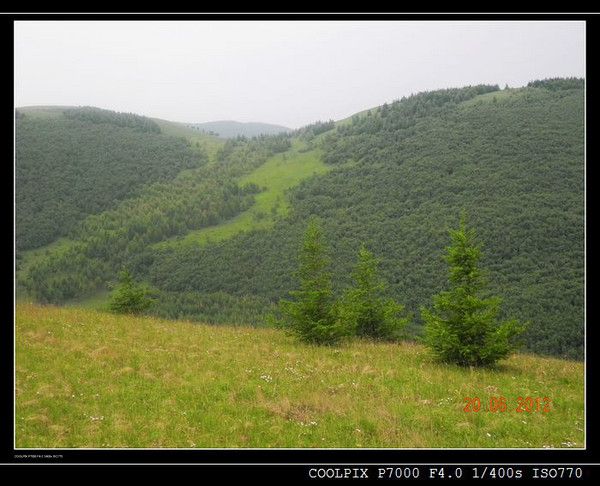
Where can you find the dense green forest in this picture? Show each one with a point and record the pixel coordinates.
(119, 238)
(83, 163)
(513, 159)
(400, 176)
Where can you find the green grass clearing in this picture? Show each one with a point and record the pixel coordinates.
(278, 174)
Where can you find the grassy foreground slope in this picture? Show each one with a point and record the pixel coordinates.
(90, 379)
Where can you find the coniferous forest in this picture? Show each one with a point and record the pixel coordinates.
(100, 192)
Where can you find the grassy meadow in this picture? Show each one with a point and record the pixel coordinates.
(277, 175)
(90, 379)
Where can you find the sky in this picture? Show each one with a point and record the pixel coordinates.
(290, 73)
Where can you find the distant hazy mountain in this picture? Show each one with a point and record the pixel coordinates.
(231, 129)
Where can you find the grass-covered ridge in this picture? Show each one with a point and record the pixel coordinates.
(91, 379)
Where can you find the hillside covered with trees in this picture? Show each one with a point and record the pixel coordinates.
(399, 176)
(84, 161)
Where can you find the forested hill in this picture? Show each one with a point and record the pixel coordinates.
(396, 178)
(74, 162)
(232, 129)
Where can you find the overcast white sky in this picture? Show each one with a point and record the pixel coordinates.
(289, 73)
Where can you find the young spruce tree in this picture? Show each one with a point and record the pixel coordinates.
(463, 327)
(365, 309)
(129, 297)
(312, 313)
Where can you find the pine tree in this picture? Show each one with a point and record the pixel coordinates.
(463, 328)
(129, 297)
(364, 307)
(312, 314)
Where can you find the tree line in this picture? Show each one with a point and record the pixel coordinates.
(461, 328)
(97, 115)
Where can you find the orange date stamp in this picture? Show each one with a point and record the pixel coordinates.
(502, 404)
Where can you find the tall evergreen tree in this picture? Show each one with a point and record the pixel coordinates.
(365, 309)
(463, 327)
(312, 314)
